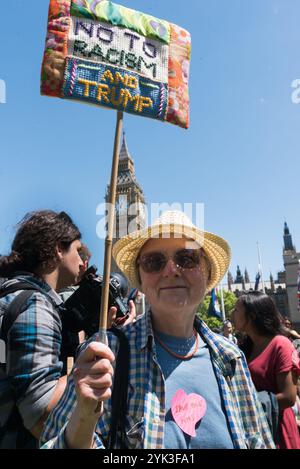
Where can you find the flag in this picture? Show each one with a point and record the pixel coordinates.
(257, 278)
(214, 307)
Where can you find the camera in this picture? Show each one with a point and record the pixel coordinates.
(82, 309)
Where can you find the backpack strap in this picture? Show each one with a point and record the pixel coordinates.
(16, 287)
(16, 307)
(120, 390)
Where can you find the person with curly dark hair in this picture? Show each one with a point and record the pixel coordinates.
(272, 359)
(44, 258)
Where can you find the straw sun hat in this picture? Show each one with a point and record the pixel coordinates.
(217, 250)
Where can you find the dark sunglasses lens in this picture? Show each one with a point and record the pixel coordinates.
(187, 258)
(153, 262)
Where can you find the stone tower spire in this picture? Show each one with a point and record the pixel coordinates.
(291, 260)
(287, 239)
(125, 160)
(246, 276)
(229, 280)
(272, 282)
(239, 278)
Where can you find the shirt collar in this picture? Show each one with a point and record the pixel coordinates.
(223, 351)
(144, 330)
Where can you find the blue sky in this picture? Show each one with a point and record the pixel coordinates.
(240, 156)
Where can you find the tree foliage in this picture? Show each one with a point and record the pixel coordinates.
(229, 303)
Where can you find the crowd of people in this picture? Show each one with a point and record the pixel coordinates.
(186, 386)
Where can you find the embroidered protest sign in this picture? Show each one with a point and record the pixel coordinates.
(108, 55)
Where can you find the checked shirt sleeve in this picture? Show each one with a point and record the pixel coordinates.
(33, 351)
(53, 436)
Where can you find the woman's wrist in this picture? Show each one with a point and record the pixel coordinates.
(79, 433)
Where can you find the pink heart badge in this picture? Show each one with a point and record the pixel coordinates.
(187, 410)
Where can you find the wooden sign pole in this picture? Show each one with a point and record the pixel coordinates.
(110, 229)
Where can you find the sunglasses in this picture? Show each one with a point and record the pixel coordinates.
(154, 262)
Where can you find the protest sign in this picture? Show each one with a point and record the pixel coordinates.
(109, 55)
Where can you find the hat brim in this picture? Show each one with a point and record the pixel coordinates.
(217, 250)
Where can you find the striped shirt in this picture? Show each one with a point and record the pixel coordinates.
(33, 348)
(146, 395)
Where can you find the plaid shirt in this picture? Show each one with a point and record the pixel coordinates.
(146, 395)
(33, 349)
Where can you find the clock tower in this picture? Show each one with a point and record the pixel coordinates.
(130, 200)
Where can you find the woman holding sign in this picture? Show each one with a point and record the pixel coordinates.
(188, 387)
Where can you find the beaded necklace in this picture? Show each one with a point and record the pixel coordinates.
(177, 355)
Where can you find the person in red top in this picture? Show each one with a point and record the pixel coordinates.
(272, 359)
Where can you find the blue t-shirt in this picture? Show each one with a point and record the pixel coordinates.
(195, 375)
